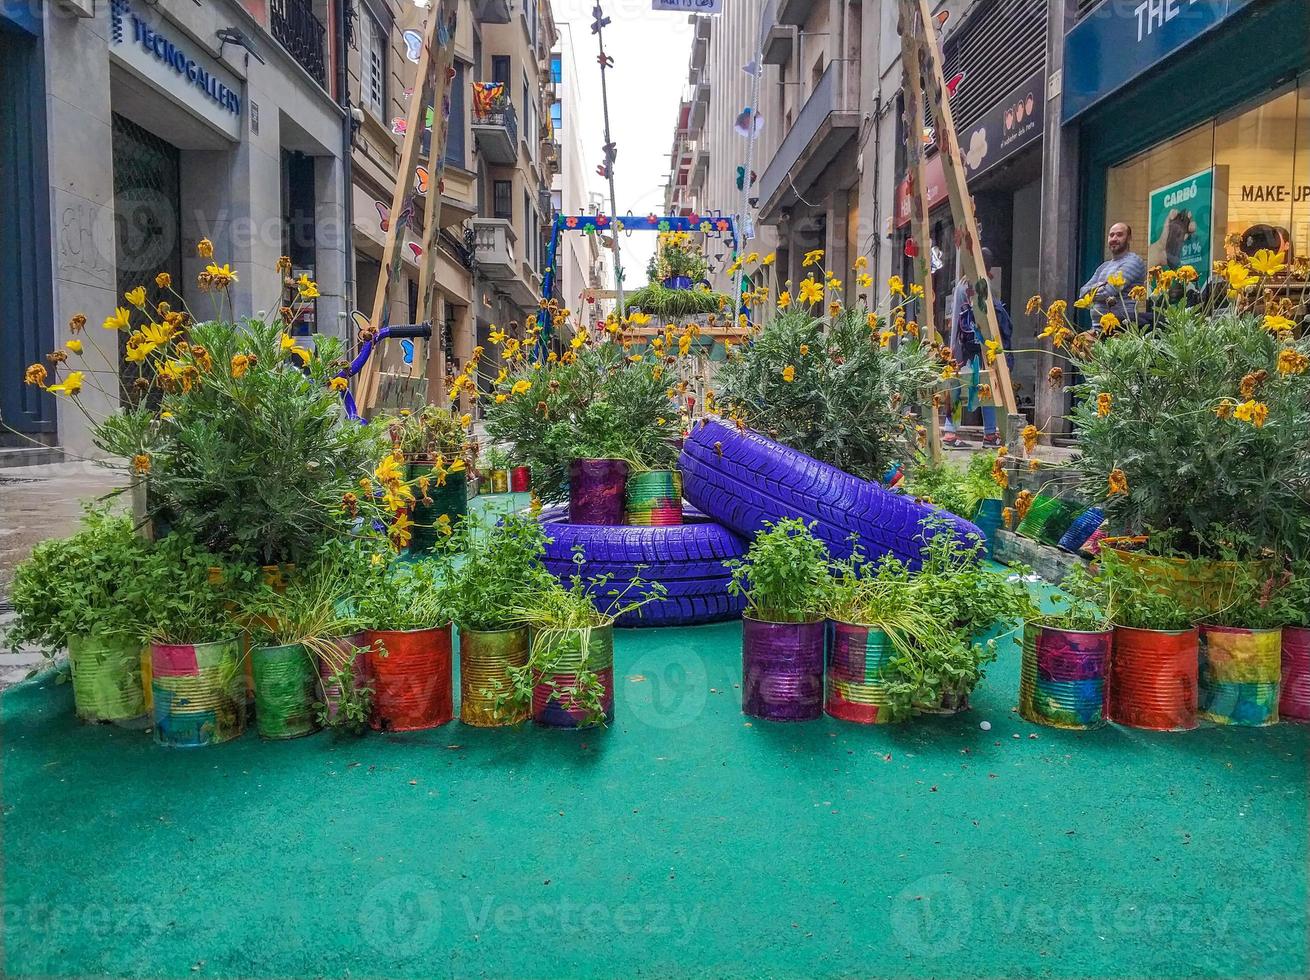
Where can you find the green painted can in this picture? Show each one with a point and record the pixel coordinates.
(107, 678)
(451, 501)
(285, 680)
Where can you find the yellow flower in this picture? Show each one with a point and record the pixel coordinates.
(307, 288)
(1278, 324)
(389, 469)
(1023, 503)
(684, 345)
(896, 286)
(916, 290)
(871, 321)
(805, 350)
(1104, 401)
(163, 280)
(753, 257)
(885, 338)
(784, 300)
(205, 248)
(466, 420)
(1110, 323)
(999, 476)
(639, 319)
(789, 374)
(521, 386)
(500, 399)
(138, 350)
(36, 374)
(1029, 438)
(834, 284)
(811, 292)
(401, 529)
(578, 340)
(121, 319)
(949, 371)
(1268, 262)
(993, 347)
(75, 346)
(338, 384)
(864, 280)
(834, 308)
(71, 385)
(1239, 276)
(497, 337)
(769, 259)
(289, 347)
(158, 333)
(1292, 361)
(141, 463)
(1085, 301)
(1116, 482)
(812, 258)
(1115, 280)
(861, 263)
(1137, 294)
(1225, 408)
(1007, 516)
(136, 297)
(1034, 304)
(1187, 273)
(220, 276)
(1249, 411)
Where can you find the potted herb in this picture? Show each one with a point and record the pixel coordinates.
(197, 677)
(785, 579)
(79, 592)
(406, 615)
(498, 464)
(1294, 692)
(678, 262)
(1153, 663)
(290, 629)
(345, 702)
(500, 564)
(1066, 654)
(435, 447)
(876, 613)
(569, 677)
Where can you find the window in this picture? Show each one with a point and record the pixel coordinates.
(455, 135)
(500, 68)
(557, 117)
(373, 65)
(502, 205)
(557, 68)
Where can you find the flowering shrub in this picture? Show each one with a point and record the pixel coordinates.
(676, 255)
(1202, 419)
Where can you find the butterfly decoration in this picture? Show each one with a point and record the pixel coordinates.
(407, 351)
(361, 322)
(384, 215)
(911, 248)
(954, 83)
(741, 178)
(421, 180)
(427, 118)
(749, 122)
(940, 19)
(417, 249)
(413, 45)
(399, 125)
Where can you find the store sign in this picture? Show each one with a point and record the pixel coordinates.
(934, 176)
(1007, 128)
(152, 48)
(1181, 224)
(689, 6)
(1121, 39)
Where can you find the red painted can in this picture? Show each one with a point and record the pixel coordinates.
(1152, 680)
(413, 682)
(1294, 699)
(520, 479)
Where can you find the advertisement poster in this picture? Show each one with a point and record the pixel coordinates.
(1182, 225)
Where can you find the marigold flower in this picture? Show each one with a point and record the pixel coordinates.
(861, 263)
(1034, 305)
(57, 356)
(1268, 262)
(1250, 382)
(813, 258)
(1055, 377)
(1187, 273)
(1116, 483)
(896, 286)
(1225, 408)
(834, 309)
(205, 248)
(141, 464)
(1110, 323)
(1023, 503)
(1137, 294)
(1007, 516)
(1104, 401)
(810, 292)
(999, 476)
(985, 392)
(885, 339)
(789, 374)
(949, 371)
(805, 349)
(1251, 411)
(1115, 280)
(1292, 361)
(1033, 465)
(36, 374)
(76, 323)
(1030, 435)
(338, 384)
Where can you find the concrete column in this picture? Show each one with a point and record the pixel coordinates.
(330, 234)
(835, 251)
(1059, 221)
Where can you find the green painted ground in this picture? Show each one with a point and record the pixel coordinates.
(681, 841)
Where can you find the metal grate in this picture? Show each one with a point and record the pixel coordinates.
(997, 47)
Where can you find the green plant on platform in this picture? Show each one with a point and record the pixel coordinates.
(400, 595)
(674, 304)
(956, 583)
(677, 255)
(190, 594)
(1081, 605)
(1131, 598)
(500, 563)
(1296, 594)
(81, 585)
(785, 575)
(1253, 594)
(829, 388)
(959, 491)
(596, 401)
(430, 432)
(497, 459)
(312, 609)
(927, 676)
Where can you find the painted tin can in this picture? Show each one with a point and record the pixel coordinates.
(1062, 677)
(854, 689)
(412, 672)
(782, 669)
(1082, 529)
(500, 481)
(1153, 679)
(285, 687)
(520, 479)
(1058, 521)
(450, 501)
(485, 660)
(1092, 546)
(596, 491)
(199, 693)
(1294, 689)
(989, 519)
(107, 678)
(654, 498)
(552, 703)
(346, 650)
(1239, 674)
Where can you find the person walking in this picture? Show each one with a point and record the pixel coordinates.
(966, 348)
(1114, 277)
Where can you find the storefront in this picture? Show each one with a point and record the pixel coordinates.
(1194, 128)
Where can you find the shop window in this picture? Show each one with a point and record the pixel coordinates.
(502, 205)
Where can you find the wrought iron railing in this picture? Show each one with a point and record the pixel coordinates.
(499, 113)
(297, 29)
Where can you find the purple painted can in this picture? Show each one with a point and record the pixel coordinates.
(782, 669)
(1294, 699)
(596, 491)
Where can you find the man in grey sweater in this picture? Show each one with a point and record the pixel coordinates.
(1122, 262)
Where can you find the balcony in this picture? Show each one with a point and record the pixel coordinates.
(545, 203)
(491, 11)
(524, 289)
(497, 131)
(700, 100)
(779, 44)
(700, 164)
(822, 130)
(295, 27)
(793, 12)
(550, 153)
(493, 247)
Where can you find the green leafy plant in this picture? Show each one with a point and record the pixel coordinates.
(785, 575)
(939, 675)
(1080, 606)
(1253, 593)
(190, 594)
(1132, 599)
(596, 402)
(830, 389)
(497, 459)
(960, 589)
(672, 304)
(353, 704)
(312, 609)
(677, 255)
(401, 595)
(428, 433)
(81, 585)
(501, 563)
(1296, 594)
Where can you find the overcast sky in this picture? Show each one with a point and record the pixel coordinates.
(650, 52)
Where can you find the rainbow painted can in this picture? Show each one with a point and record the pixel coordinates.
(569, 652)
(855, 689)
(654, 498)
(1062, 677)
(1238, 676)
(199, 693)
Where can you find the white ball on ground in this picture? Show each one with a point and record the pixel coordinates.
(985, 725)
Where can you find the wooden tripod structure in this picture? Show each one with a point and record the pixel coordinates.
(921, 60)
(431, 94)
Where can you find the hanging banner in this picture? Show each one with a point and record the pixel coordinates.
(689, 6)
(1181, 224)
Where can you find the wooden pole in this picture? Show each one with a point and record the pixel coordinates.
(928, 64)
(919, 206)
